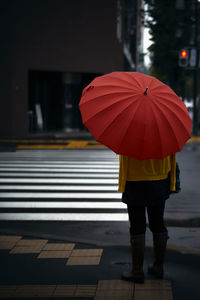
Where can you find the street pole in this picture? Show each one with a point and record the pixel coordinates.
(195, 75)
(195, 116)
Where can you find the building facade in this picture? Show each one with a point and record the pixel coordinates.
(51, 49)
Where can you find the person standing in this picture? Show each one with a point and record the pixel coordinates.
(145, 186)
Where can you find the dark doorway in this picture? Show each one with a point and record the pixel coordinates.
(45, 94)
(54, 99)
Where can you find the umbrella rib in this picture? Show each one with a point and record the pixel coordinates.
(111, 105)
(170, 94)
(161, 111)
(138, 82)
(133, 78)
(169, 99)
(112, 85)
(158, 127)
(150, 78)
(93, 98)
(172, 112)
(169, 90)
(129, 123)
(128, 107)
(124, 80)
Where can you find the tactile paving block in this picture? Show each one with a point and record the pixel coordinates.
(115, 285)
(33, 291)
(78, 261)
(26, 250)
(13, 238)
(154, 285)
(7, 245)
(54, 254)
(64, 291)
(29, 243)
(7, 291)
(8, 242)
(85, 291)
(87, 252)
(153, 295)
(58, 246)
(114, 295)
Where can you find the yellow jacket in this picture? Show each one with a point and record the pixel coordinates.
(131, 169)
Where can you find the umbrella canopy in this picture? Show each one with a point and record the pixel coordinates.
(135, 115)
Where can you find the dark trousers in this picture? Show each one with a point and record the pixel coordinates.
(137, 218)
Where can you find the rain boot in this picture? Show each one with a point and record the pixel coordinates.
(159, 244)
(138, 247)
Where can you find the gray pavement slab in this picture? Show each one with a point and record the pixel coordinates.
(182, 239)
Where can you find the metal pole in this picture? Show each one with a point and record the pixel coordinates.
(195, 116)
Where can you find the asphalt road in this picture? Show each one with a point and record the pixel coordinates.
(182, 217)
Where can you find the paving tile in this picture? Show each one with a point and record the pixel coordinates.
(58, 246)
(85, 291)
(7, 291)
(12, 238)
(7, 242)
(153, 294)
(29, 243)
(54, 254)
(25, 250)
(33, 291)
(87, 252)
(64, 291)
(114, 295)
(115, 285)
(7, 245)
(154, 285)
(28, 246)
(77, 261)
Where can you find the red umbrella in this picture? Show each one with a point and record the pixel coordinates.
(135, 115)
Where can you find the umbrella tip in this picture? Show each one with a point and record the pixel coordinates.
(145, 93)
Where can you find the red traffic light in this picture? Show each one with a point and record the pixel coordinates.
(183, 58)
(184, 54)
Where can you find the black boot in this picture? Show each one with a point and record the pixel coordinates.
(159, 244)
(137, 246)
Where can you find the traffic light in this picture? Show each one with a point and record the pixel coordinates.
(183, 58)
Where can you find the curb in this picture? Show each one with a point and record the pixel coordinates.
(170, 246)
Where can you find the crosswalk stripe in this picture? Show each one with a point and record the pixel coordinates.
(88, 205)
(88, 170)
(34, 184)
(58, 181)
(58, 163)
(64, 217)
(65, 185)
(58, 188)
(61, 166)
(60, 155)
(70, 175)
(36, 195)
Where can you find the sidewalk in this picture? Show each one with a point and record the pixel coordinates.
(63, 269)
(49, 140)
(74, 139)
(185, 240)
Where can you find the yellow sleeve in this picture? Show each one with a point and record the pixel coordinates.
(173, 173)
(123, 167)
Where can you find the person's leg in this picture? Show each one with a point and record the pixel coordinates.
(156, 218)
(160, 237)
(137, 219)
(137, 239)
